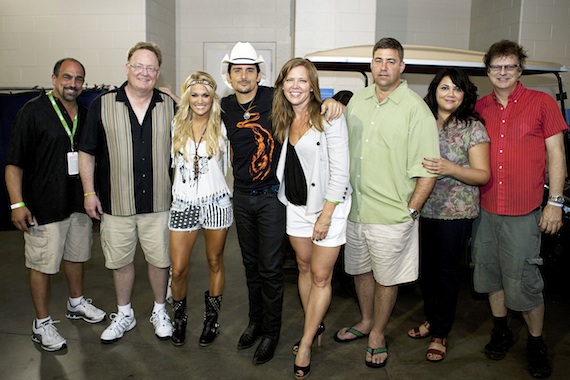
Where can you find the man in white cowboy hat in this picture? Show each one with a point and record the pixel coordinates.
(259, 215)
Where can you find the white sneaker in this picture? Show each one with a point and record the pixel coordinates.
(120, 323)
(47, 336)
(86, 311)
(162, 324)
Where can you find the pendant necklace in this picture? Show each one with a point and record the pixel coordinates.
(196, 157)
(246, 114)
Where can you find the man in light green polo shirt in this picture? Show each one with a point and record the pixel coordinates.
(391, 130)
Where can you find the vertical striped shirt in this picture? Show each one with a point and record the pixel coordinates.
(518, 149)
(132, 160)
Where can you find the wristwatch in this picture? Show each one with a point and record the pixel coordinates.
(557, 199)
(415, 214)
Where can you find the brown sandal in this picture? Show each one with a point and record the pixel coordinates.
(416, 332)
(439, 354)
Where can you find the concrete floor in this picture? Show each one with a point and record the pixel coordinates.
(140, 355)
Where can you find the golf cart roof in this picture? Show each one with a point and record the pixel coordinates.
(419, 59)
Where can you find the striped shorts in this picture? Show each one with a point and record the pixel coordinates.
(214, 214)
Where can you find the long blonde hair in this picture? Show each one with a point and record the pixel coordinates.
(184, 118)
(282, 113)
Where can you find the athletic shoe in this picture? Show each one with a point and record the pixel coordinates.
(47, 336)
(120, 323)
(86, 311)
(162, 324)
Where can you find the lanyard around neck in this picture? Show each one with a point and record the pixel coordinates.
(71, 133)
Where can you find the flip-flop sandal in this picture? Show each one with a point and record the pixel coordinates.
(376, 351)
(357, 335)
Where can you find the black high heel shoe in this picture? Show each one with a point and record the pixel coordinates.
(318, 337)
(301, 372)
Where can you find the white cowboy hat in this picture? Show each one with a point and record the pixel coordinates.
(242, 54)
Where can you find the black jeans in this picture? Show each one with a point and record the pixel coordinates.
(260, 222)
(442, 243)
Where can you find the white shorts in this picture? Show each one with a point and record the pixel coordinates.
(390, 251)
(216, 214)
(299, 224)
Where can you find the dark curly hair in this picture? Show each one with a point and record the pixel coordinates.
(466, 110)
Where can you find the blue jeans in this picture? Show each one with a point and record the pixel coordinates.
(260, 222)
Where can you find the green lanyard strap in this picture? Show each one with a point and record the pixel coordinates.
(71, 134)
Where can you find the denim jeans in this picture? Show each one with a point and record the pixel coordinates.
(260, 222)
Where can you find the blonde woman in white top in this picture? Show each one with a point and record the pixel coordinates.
(200, 199)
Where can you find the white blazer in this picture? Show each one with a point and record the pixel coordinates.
(324, 158)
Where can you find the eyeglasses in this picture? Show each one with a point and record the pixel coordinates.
(139, 69)
(499, 68)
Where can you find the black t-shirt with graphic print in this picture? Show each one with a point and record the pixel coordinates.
(255, 151)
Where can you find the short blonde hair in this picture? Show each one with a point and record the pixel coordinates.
(150, 46)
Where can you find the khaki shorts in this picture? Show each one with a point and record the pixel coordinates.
(391, 251)
(300, 224)
(47, 244)
(120, 234)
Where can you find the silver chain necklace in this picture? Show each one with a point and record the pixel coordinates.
(246, 114)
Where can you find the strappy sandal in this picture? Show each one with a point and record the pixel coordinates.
(416, 332)
(439, 354)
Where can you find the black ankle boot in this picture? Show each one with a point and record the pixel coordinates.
(211, 311)
(180, 320)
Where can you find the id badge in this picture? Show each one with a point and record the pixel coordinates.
(72, 163)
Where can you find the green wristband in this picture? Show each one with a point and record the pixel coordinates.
(17, 205)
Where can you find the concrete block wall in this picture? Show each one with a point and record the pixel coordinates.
(323, 25)
(545, 34)
(35, 34)
(494, 20)
(161, 28)
(541, 26)
(425, 22)
(266, 24)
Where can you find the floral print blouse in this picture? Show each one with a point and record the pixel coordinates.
(450, 198)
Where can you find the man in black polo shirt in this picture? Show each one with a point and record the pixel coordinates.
(259, 215)
(47, 204)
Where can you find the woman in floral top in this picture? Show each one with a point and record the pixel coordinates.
(448, 214)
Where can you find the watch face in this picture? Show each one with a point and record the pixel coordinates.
(557, 198)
